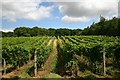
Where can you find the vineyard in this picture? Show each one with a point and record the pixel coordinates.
(61, 57)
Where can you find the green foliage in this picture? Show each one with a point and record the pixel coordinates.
(89, 51)
(77, 53)
(104, 27)
(54, 63)
(18, 51)
(15, 56)
(36, 31)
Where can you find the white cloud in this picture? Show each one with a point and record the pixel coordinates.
(74, 19)
(27, 9)
(6, 30)
(80, 11)
(9, 30)
(73, 10)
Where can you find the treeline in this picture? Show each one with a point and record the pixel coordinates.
(36, 31)
(103, 27)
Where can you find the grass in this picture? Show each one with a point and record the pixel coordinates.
(52, 75)
(24, 75)
(54, 62)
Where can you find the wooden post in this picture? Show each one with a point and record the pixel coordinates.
(18, 65)
(35, 63)
(4, 66)
(29, 57)
(104, 62)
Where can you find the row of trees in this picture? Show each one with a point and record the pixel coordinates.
(103, 27)
(36, 31)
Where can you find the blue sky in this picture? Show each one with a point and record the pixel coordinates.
(50, 15)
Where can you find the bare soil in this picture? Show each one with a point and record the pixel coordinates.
(62, 41)
(49, 42)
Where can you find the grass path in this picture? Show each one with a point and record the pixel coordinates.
(49, 42)
(47, 65)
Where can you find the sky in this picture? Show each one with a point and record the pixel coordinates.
(71, 14)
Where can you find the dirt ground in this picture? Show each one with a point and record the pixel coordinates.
(47, 65)
(17, 71)
(62, 41)
(49, 42)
